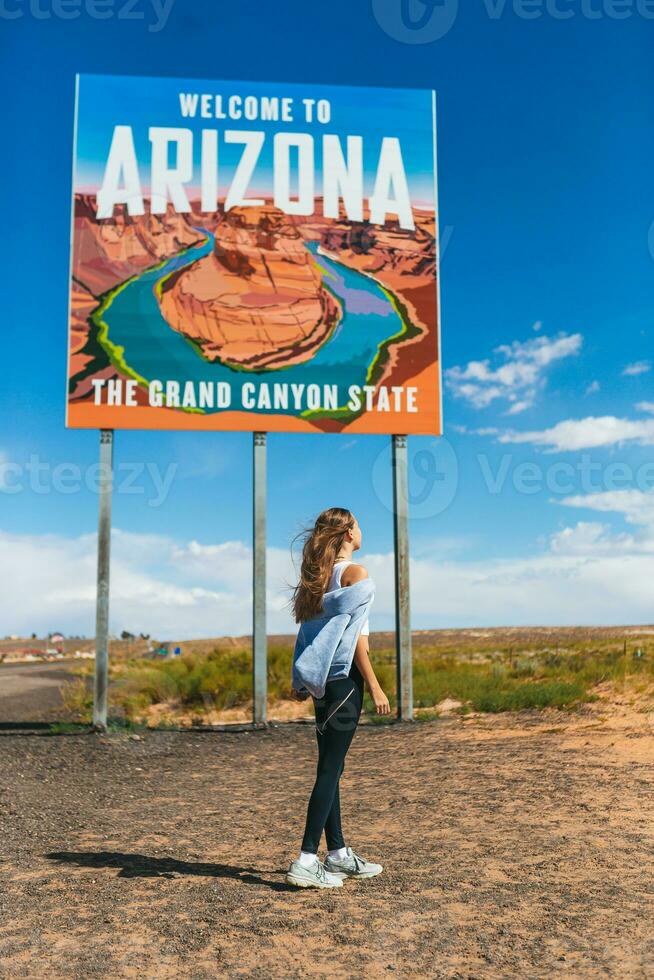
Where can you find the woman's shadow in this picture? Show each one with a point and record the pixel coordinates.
(143, 866)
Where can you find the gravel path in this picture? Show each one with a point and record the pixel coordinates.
(513, 846)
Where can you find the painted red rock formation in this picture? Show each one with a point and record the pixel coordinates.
(110, 251)
(393, 255)
(258, 300)
(107, 253)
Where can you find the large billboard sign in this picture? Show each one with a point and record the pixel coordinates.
(253, 256)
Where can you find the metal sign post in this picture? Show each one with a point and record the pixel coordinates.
(259, 637)
(404, 660)
(102, 598)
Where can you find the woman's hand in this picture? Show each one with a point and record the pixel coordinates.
(382, 707)
(296, 696)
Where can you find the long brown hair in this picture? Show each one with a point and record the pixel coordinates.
(322, 544)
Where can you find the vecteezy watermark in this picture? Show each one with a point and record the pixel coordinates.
(415, 21)
(567, 9)
(43, 477)
(153, 12)
(563, 478)
(425, 21)
(433, 473)
(444, 239)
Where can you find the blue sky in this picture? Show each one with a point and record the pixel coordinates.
(545, 149)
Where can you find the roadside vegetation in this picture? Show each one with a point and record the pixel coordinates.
(473, 676)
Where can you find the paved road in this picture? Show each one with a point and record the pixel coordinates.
(32, 691)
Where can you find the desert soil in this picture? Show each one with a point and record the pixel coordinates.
(513, 846)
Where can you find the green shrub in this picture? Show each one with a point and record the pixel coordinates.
(536, 694)
(482, 678)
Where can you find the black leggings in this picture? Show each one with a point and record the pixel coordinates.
(337, 716)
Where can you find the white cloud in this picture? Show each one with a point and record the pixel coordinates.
(158, 586)
(518, 407)
(592, 388)
(595, 539)
(589, 433)
(645, 407)
(636, 506)
(519, 376)
(553, 588)
(581, 539)
(174, 590)
(638, 367)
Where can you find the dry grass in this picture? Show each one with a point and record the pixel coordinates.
(478, 670)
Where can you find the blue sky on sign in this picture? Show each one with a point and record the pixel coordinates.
(538, 505)
(106, 101)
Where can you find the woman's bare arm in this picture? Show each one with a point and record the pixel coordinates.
(352, 574)
(362, 660)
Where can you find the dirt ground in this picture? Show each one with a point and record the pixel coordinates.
(513, 846)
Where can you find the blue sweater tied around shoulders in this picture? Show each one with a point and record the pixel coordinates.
(325, 645)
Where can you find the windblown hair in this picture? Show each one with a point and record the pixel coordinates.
(322, 544)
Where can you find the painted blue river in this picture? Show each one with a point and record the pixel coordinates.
(153, 350)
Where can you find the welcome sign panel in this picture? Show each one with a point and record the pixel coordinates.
(250, 256)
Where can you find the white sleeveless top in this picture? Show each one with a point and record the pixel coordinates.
(335, 583)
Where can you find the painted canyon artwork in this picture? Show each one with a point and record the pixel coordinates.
(250, 256)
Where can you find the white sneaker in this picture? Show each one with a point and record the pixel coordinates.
(352, 866)
(315, 876)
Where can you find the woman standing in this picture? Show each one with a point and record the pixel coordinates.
(331, 662)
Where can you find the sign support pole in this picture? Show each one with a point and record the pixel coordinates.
(259, 632)
(404, 660)
(102, 595)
